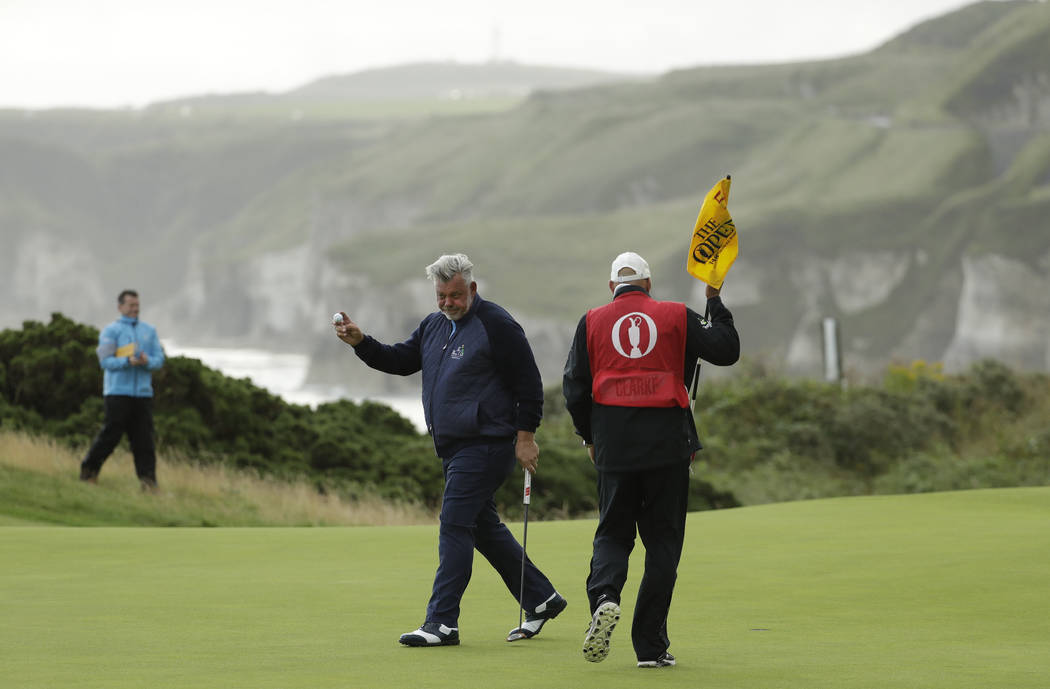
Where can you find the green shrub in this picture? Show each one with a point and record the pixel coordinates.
(766, 438)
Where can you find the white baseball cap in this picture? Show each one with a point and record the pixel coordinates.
(629, 259)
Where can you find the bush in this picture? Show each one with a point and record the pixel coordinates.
(51, 383)
(765, 438)
(49, 369)
(778, 439)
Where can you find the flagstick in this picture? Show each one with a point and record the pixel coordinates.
(696, 381)
(696, 384)
(696, 368)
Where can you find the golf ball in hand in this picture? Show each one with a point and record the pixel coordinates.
(337, 318)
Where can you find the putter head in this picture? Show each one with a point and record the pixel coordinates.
(518, 635)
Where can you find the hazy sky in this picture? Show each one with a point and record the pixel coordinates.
(111, 53)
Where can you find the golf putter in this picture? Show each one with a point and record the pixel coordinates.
(526, 497)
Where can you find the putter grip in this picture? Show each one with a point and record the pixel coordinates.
(527, 495)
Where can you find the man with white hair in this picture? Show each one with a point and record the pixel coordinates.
(625, 388)
(483, 400)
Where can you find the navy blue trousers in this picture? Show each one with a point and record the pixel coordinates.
(469, 521)
(653, 502)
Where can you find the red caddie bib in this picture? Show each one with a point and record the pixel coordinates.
(636, 347)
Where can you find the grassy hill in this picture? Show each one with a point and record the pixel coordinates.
(407, 91)
(39, 485)
(931, 591)
(883, 154)
(895, 167)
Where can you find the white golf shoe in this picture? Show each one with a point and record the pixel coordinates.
(431, 634)
(535, 619)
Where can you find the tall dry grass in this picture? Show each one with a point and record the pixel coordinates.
(267, 501)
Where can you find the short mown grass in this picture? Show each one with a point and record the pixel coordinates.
(937, 590)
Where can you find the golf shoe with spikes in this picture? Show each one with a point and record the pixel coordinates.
(596, 643)
(536, 618)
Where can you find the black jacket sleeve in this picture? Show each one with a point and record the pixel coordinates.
(715, 340)
(576, 382)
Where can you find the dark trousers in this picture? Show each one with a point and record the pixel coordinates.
(131, 415)
(469, 521)
(655, 502)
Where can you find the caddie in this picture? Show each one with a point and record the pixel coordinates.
(625, 388)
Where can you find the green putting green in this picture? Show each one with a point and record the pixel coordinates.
(937, 590)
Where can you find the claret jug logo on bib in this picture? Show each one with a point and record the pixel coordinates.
(634, 335)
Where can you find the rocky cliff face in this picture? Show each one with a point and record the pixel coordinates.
(987, 306)
(46, 274)
(1003, 313)
(843, 287)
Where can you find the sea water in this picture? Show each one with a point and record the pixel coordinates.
(284, 374)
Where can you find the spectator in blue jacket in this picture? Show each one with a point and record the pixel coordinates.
(482, 400)
(128, 351)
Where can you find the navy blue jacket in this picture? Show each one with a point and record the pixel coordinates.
(480, 380)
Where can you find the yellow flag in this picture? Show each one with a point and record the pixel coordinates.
(714, 244)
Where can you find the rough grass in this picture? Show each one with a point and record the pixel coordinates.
(39, 483)
(935, 591)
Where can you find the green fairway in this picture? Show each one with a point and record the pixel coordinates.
(937, 590)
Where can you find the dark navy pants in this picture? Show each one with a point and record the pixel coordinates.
(469, 520)
(654, 502)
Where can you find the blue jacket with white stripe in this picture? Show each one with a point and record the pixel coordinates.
(480, 379)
